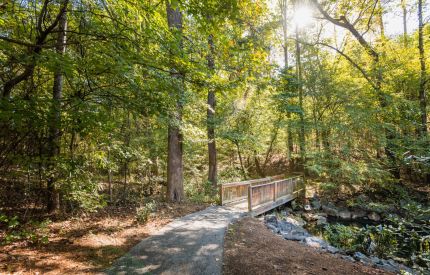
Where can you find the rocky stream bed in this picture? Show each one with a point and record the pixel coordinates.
(294, 226)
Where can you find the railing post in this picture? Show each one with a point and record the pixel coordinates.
(250, 198)
(275, 191)
(221, 194)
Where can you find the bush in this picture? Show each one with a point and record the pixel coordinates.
(344, 237)
(143, 212)
(32, 232)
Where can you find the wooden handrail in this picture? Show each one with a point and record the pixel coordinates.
(241, 190)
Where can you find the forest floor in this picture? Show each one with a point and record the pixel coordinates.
(250, 248)
(88, 244)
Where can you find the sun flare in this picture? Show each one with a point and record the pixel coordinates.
(303, 17)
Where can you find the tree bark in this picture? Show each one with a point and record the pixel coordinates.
(242, 167)
(212, 153)
(405, 26)
(54, 137)
(302, 140)
(175, 186)
(284, 7)
(423, 78)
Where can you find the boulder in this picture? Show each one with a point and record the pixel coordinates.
(357, 214)
(315, 242)
(362, 258)
(285, 226)
(294, 236)
(272, 227)
(374, 217)
(321, 221)
(331, 210)
(271, 219)
(348, 258)
(344, 214)
(315, 203)
(375, 260)
(297, 221)
(332, 249)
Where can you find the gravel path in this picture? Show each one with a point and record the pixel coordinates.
(192, 244)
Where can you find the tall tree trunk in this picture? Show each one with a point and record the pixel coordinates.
(423, 78)
(53, 203)
(175, 186)
(405, 26)
(284, 8)
(380, 19)
(302, 141)
(212, 153)
(290, 143)
(242, 167)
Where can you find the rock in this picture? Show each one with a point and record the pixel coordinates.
(349, 258)
(297, 221)
(272, 227)
(387, 267)
(362, 258)
(315, 203)
(357, 214)
(271, 219)
(374, 217)
(315, 242)
(285, 226)
(291, 236)
(332, 249)
(310, 217)
(331, 210)
(344, 214)
(375, 260)
(322, 221)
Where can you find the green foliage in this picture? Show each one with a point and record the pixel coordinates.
(406, 236)
(143, 213)
(344, 237)
(32, 232)
(201, 193)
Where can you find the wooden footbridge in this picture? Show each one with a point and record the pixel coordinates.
(260, 195)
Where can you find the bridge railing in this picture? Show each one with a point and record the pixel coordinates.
(237, 191)
(274, 191)
(267, 192)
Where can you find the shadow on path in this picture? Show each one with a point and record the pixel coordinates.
(189, 245)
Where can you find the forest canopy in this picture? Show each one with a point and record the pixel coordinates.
(112, 101)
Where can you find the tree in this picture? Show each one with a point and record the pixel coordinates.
(53, 203)
(423, 74)
(212, 176)
(376, 78)
(175, 186)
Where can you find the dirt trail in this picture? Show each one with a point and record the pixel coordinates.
(250, 248)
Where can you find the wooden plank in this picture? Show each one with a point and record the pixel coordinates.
(235, 200)
(275, 191)
(250, 199)
(221, 194)
(269, 206)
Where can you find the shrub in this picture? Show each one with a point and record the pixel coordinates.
(143, 212)
(32, 232)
